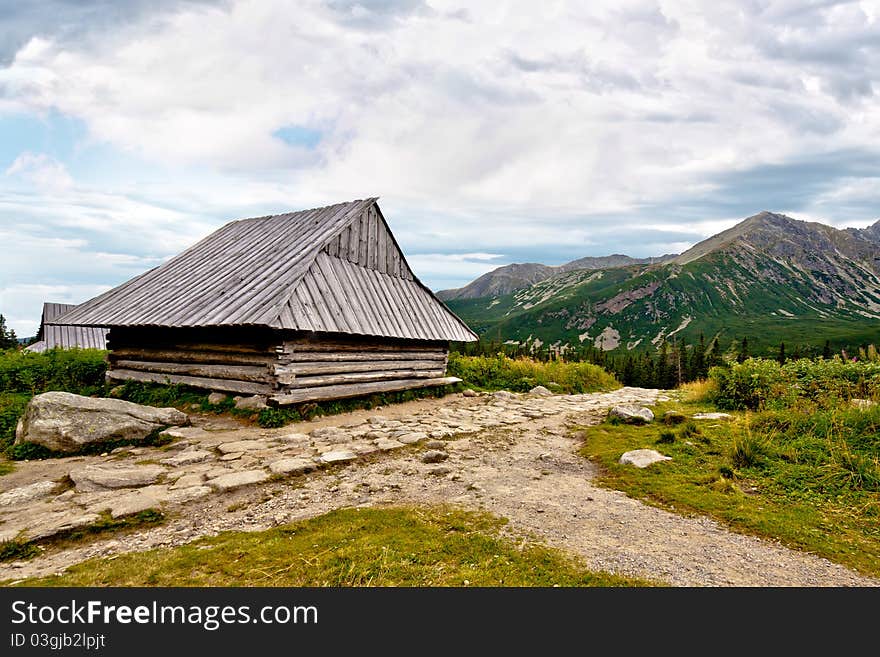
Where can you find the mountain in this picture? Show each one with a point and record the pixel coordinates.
(770, 278)
(510, 278)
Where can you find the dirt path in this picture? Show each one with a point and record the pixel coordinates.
(526, 471)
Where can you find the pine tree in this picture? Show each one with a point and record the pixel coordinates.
(8, 340)
(826, 350)
(743, 351)
(781, 357)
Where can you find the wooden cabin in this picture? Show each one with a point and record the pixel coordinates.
(312, 305)
(65, 336)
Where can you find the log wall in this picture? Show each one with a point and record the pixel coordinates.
(289, 368)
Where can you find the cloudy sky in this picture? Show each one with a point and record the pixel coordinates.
(493, 132)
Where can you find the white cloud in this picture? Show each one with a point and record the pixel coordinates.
(42, 170)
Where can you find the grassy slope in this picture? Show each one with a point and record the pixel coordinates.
(350, 547)
(752, 310)
(786, 494)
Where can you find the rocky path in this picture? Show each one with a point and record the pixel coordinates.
(509, 454)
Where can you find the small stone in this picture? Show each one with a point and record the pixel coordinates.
(862, 404)
(540, 391)
(181, 495)
(439, 470)
(412, 437)
(217, 398)
(338, 456)
(295, 466)
(234, 456)
(712, 416)
(188, 481)
(386, 445)
(187, 458)
(503, 394)
(295, 438)
(237, 479)
(632, 414)
(254, 403)
(470, 393)
(434, 456)
(642, 458)
(435, 444)
(241, 446)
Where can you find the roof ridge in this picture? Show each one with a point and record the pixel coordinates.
(272, 317)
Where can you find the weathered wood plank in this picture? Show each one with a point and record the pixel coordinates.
(333, 367)
(202, 383)
(357, 390)
(259, 374)
(373, 240)
(382, 242)
(295, 381)
(364, 237)
(187, 356)
(378, 356)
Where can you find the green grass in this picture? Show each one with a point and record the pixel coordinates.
(810, 480)
(400, 546)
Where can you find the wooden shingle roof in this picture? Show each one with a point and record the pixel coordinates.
(65, 336)
(333, 269)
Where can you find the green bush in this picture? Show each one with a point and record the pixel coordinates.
(80, 371)
(522, 374)
(758, 383)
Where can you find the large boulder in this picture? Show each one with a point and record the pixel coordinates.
(631, 414)
(64, 422)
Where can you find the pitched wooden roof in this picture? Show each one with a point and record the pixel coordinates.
(65, 336)
(332, 269)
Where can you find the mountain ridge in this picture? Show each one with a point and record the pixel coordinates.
(771, 277)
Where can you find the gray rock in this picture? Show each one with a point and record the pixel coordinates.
(503, 394)
(408, 438)
(217, 398)
(189, 481)
(330, 435)
(58, 523)
(434, 456)
(862, 404)
(540, 390)
(238, 446)
(64, 422)
(254, 403)
(294, 466)
(237, 479)
(470, 393)
(436, 444)
(106, 477)
(131, 503)
(338, 456)
(295, 438)
(29, 493)
(187, 457)
(181, 495)
(439, 470)
(631, 414)
(386, 445)
(642, 458)
(186, 433)
(712, 416)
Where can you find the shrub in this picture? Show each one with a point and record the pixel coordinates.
(521, 374)
(666, 437)
(747, 451)
(80, 371)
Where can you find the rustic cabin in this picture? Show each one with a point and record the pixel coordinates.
(65, 336)
(312, 305)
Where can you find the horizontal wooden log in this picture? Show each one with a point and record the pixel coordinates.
(219, 347)
(226, 385)
(361, 366)
(257, 373)
(300, 346)
(188, 356)
(294, 381)
(361, 356)
(357, 390)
